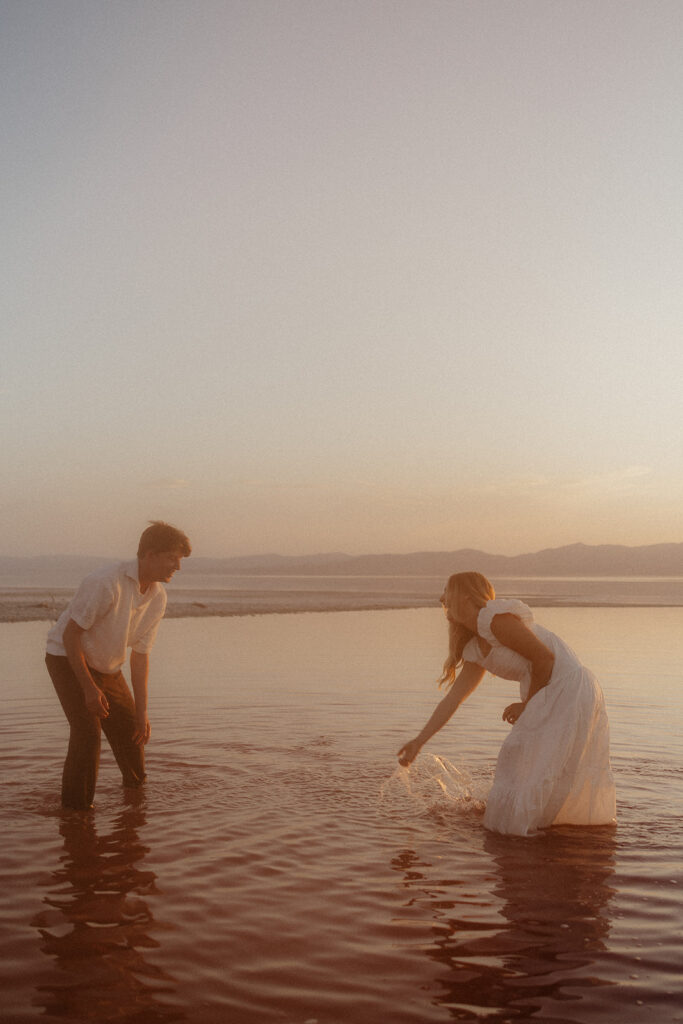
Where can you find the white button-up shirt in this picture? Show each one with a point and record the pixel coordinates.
(114, 615)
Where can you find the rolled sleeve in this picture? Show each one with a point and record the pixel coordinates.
(93, 599)
(145, 643)
(144, 633)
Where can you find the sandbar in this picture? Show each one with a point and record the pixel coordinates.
(27, 604)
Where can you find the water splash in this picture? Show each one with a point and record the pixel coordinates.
(434, 784)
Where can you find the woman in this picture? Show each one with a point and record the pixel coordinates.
(554, 766)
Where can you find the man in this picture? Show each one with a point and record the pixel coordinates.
(114, 608)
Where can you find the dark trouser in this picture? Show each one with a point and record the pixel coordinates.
(83, 756)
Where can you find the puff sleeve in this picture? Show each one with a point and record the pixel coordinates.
(501, 606)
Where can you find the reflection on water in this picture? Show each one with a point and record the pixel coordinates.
(273, 819)
(97, 924)
(531, 939)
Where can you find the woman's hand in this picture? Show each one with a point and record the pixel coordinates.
(408, 753)
(513, 711)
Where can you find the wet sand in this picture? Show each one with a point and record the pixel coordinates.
(264, 596)
(32, 605)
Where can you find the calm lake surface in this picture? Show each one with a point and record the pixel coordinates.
(279, 867)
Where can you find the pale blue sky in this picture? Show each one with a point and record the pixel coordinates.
(361, 276)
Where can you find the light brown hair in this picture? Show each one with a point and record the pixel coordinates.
(161, 536)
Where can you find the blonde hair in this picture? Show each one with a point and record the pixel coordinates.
(479, 590)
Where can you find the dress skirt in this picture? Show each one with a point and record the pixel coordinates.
(554, 768)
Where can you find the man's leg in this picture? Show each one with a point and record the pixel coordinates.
(79, 776)
(119, 727)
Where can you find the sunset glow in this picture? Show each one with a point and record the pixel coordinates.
(357, 276)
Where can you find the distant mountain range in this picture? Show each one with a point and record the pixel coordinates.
(570, 560)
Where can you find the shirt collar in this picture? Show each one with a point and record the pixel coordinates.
(131, 569)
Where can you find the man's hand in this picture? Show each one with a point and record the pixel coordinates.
(139, 672)
(513, 711)
(96, 702)
(143, 730)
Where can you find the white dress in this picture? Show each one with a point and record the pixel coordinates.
(553, 768)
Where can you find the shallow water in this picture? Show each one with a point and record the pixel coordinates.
(280, 867)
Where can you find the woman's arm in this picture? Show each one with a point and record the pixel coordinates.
(512, 633)
(466, 682)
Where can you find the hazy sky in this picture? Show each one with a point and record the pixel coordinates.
(359, 275)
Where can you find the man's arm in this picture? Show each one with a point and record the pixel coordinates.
(95, 700)
(139, 674)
